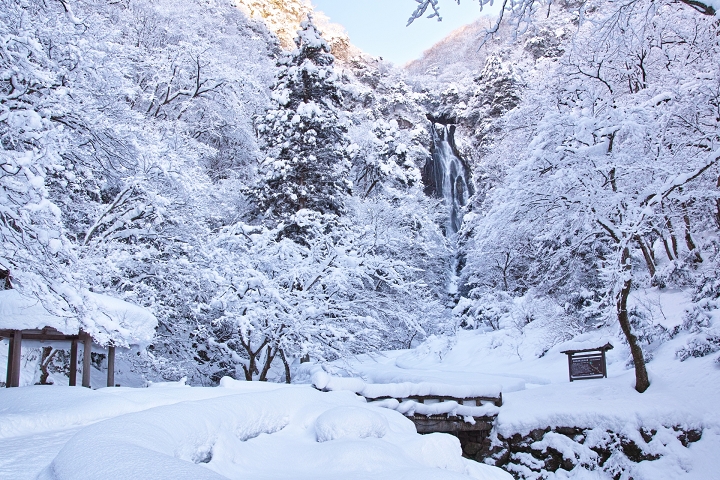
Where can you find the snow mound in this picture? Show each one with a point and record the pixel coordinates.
(432, 350)
(411, 408)
(395, 396)
(180, 383)
(437, 450)
(248, 432)
(349, 422)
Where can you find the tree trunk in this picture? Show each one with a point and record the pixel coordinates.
(641, 377)
(504, 269)
(668, 252)
(47, 355)
(717, 207)
(648, 255)
(688, 238)
(269, 357)
(673, 239)
(251, 367)
(286, 365)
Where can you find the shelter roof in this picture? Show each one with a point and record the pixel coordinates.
(107, 319)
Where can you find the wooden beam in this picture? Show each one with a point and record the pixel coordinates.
(15, 359)
(87, 350)
(111, 366)
(46, 332)
(73, 362)
(604, 348)
(9, 362)
(448, 424)
(48, 337)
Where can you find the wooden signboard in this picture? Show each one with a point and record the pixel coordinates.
(587, 364)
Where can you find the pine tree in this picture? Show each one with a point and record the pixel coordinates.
(306, 144)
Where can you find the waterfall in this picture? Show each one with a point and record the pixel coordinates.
(446, 175)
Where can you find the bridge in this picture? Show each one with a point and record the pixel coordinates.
(465, 411)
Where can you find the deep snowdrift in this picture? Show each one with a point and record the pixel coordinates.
(238, 430)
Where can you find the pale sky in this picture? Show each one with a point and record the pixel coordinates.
(378, 26)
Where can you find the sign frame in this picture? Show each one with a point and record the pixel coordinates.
(587, 364)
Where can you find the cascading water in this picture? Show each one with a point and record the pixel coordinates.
(446, 175)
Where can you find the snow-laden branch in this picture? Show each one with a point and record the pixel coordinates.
(520, 13)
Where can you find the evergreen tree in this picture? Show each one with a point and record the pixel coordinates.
(307, 148)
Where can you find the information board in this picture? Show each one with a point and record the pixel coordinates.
(588, 363)
(590, 366)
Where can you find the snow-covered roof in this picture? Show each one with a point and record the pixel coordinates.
(108, 319)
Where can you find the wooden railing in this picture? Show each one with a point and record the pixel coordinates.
(478, 401)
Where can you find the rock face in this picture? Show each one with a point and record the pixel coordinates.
(446, 175)
(544, 452)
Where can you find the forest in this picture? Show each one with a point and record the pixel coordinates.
(282, 202)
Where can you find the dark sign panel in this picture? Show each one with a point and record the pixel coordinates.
(590, 366)
(587, 364)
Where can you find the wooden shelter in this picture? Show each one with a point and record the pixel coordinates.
(49, 334)
(117, 324)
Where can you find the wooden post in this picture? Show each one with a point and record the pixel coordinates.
(87, 349)
(9, 362)
(604, 364)
(111, 366)
(15, 359)
(73, 362)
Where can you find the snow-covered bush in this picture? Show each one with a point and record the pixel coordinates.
(699, 346)
(487, 310)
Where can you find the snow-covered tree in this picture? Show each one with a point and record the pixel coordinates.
(520, 14)
(620, 147)
(35, 254)
(308, 153)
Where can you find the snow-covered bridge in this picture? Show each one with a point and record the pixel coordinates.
(465, 411)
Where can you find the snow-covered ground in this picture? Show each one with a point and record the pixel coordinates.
(238, 430)
(274, 431)
(684, 395)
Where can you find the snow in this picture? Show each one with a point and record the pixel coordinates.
(538, 395)
(18, 312)
(376, 278)
(350, 422)
(242, 428)
(238, 430)
(112, 319)
(116, 319)
(323, 380)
